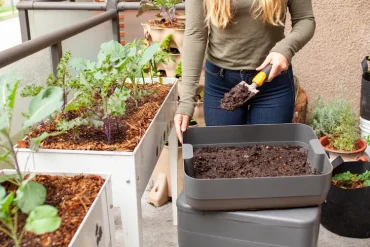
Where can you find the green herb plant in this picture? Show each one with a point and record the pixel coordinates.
(367, 139)
(30, 196)
(337, 120)
(167, 8)
(179, 70)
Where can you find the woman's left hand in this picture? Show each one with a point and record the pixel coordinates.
(279, 64)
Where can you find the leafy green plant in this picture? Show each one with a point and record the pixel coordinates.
(167, 8)
(346, 134)
(179, 70)
(348, 179)
(30, 196)
(337, 120)
(63, 80)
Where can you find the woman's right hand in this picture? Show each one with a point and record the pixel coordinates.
(181, 124)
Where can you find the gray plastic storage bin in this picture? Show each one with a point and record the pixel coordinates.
(256, 193)
(268, 228)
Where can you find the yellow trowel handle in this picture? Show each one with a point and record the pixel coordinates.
(262, 76)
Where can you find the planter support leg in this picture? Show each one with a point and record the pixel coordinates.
(130, 207)
(173, 148)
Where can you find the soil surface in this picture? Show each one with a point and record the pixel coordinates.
(249, 162)
(165, 23)
(131, 127)
(72, 196)
(236, 97)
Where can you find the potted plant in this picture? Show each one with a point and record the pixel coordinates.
(335, 124)
(37, 208)
(171, 67)
(346, 209)
(157, 30)
(117, 122)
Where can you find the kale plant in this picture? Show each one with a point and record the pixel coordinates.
(30, 196)
(167, 8)
(62, 80)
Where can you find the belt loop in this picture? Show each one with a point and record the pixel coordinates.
(222, 72)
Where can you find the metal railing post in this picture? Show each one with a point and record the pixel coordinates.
(24, 24)
(56, 55)
(112, 5)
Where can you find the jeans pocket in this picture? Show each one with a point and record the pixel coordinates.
(212, 69)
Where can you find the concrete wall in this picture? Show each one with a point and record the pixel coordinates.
(333, 57)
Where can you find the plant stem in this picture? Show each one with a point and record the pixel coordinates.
(15, 157)
(117, 126)
(6, 232)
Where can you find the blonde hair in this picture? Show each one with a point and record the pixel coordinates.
(220, 12)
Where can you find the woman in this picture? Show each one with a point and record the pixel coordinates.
(241, 37)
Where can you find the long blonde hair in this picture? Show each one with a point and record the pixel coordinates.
(220, 12)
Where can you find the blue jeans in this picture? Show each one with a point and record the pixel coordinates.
(272, 105)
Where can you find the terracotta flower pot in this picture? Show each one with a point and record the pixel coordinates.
(360, 144)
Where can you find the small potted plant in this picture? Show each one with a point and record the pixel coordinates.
(335, 123)
(157, 30)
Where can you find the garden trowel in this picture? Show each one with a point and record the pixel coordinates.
(243, 92)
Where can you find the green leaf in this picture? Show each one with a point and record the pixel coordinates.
(367, 183)
(82, 64)
(116, 102)
(44, 104)
(74, 123)
(4, 157)
(43, 219)
(115, 50)
(30, 196)
(4, 178)
(31, 90)
(8, 89)
(6, 202)
(2, 192)
(149, 53)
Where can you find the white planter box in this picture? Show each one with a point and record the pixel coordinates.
(99, 215)
(130, 171)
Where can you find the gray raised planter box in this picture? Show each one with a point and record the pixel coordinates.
(256, 193)
(100, 214)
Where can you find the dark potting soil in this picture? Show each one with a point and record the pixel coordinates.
(72, 196)
(236, 97)
(249, 162)
(131, 127)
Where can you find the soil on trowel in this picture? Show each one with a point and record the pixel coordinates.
(72, 196)
(236, 97)
(250, 162)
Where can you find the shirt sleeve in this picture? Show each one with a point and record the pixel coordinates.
(303, 28)
(194, 46)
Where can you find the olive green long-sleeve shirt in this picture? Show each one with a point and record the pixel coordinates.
(244, 44)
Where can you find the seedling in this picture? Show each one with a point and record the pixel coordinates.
(347, 180)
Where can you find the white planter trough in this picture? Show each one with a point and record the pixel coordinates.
(99, 215)
(130, 171)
